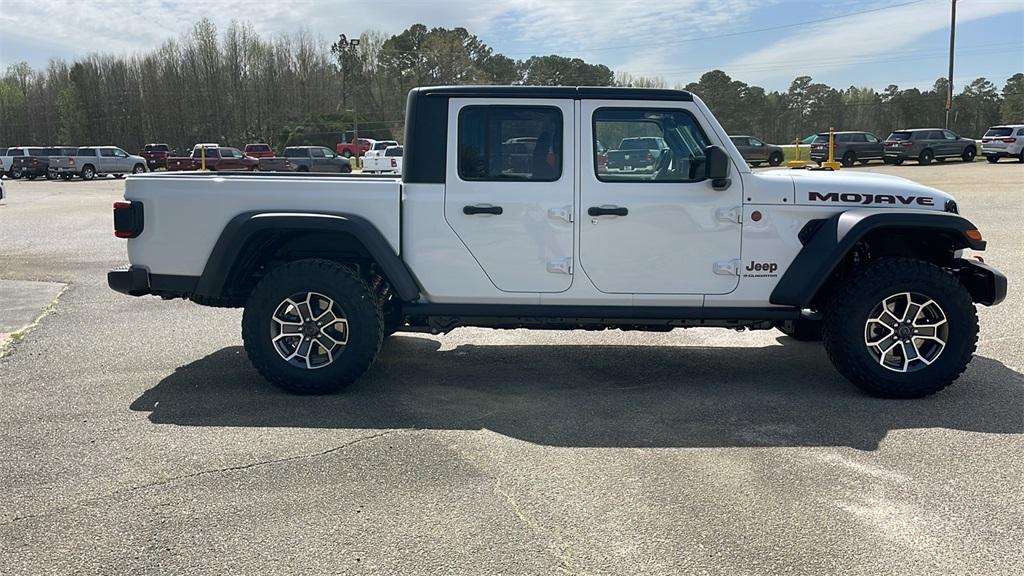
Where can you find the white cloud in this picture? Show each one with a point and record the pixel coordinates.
(860, 37)
(592, 29)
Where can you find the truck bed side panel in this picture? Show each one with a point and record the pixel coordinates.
(185, 214)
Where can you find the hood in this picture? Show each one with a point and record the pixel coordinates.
(864, 189)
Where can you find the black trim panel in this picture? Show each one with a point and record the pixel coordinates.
(834, 238)
(221, 263)
(597, 312)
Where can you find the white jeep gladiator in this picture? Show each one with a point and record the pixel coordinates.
(508, 215)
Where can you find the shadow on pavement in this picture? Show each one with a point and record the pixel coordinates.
(595, 396)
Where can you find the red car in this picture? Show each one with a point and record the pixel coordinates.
(156, 155)
(217, 158)
(350, 149)
(259, 150)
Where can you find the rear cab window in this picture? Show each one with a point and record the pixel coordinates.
(487, 143)
(295, 153)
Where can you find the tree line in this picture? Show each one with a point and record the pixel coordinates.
(236, 87)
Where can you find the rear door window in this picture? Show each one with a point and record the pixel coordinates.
(317, 153)
(295, 153)
(107, 152)
(486, 143)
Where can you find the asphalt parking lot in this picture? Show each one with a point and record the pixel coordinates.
(136, 438)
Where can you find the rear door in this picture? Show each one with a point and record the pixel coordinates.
(107, 161)
(874, 148)
(951, 144)
(318, 161)
(513, 210)
(663, 232)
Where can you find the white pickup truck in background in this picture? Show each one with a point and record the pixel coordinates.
(387, 161)
(478, 232)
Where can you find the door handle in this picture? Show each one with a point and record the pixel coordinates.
(607, 211)
(480, 209)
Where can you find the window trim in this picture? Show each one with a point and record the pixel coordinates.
(489, 107)
(593, 141)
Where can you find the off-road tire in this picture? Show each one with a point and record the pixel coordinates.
(354, 296)
(926, 157)
(775, 159)
(802, 330)
(849, 159)
(860, 292)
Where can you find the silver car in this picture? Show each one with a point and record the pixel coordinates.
(756, 152)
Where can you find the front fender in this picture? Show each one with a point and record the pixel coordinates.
(829, 244)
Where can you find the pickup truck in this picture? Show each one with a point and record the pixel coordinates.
(636, 154)
(91, 161)
(387, 162)
(357, 148)
(156, 155)
(32, 163)
(306, 159)
(326, 267)
(218, 158)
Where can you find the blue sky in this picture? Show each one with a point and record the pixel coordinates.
(864, 42)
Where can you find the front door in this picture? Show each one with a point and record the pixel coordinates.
(662, 229)
(509, 189)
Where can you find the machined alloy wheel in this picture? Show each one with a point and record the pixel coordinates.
(309, 330)
(906, 332)
(312, 326)
(88, 173)
(138, 169)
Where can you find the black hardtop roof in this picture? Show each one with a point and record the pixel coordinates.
(556, 92)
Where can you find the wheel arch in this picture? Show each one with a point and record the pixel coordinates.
(254, 239)
(832, 244)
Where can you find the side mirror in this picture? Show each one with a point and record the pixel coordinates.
(716, 167)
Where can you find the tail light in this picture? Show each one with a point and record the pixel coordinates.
(394, 163)
(1009, 140)
(906, 144)
(128, 219)
(985, 140)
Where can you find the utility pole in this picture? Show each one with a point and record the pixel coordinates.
(345, 44)
(952, 43)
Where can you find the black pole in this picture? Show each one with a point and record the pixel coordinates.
(952, 43)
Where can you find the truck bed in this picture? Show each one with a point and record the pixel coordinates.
(185, 213)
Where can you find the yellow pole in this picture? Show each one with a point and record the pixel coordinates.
(202, 155)
(831, 163)
(798, 163)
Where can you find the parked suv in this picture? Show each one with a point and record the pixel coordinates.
(756, 152)
(851, 147)
(1003, 142)
(306, 159)
(927, 144)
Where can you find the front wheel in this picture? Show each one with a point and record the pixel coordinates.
(312, 326)
(775, 159)
(900, 328)
(968, 155)
(925, 158)
(992, 159)
(138, 169)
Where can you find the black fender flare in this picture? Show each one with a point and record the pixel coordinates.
(243, 227)
(826, 247)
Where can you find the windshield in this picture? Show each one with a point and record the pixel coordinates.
(998, 132)
(900, 136)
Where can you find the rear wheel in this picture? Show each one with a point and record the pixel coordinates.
(940, 160)
(900, 328)
(969, 154)
(88, 172)
(118, 176)
(898, 161)
(926, 157)
(1020, 157)
(312, 326)
(755, 164)
(346, 154)
(51, 175)
(849, 158)
(864, 161)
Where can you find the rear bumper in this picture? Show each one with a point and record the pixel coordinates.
(135, 281)
(129, 280)
(986, 284)
(998, 152)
